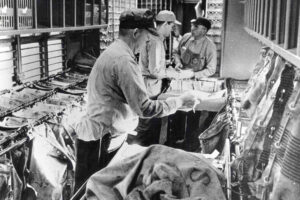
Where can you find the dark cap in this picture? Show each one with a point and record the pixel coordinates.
(137, 18)
(202, 21)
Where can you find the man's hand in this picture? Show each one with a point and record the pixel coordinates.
(178, 66)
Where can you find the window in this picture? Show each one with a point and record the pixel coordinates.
(55, 56)
(31, 62)
(7, 65)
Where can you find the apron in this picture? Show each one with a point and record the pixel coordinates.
(190, 59)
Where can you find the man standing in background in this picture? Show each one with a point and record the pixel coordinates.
(153, 62)
(153, 54)
(196, 51)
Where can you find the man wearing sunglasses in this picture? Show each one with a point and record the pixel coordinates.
(196, 51)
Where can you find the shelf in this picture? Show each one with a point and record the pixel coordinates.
(35, 16)
(75, 24)
(45, 30)
(288, 55)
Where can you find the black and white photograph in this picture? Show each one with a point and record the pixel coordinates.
(149, 99)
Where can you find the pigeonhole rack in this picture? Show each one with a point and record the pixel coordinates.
(7, 14)
(25, 13)
(16, 14)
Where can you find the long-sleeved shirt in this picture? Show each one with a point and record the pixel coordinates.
(199, 55)
(117, 96)
(175, 42)
(153, 63)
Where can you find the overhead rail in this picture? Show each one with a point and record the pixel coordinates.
(276, 24)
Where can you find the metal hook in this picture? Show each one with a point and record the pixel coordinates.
(266, 179)
(282, 92)
(272, 132)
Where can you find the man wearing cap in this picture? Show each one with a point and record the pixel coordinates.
(196, 51)
(117, 96)
(153, 62)
(153, 53)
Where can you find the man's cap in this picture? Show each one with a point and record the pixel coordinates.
(137, 18)
(202, 21)
(178, 22)
(165, 16)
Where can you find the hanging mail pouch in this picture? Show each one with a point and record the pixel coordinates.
(214, 136)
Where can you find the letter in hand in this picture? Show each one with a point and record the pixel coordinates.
(172, 73)
(186, 74)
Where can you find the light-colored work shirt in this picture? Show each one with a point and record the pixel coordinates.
(153, 63)
(176, 41)
(199, 55)
(117, 96)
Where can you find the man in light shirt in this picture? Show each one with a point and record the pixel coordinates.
(153, 52)
(117, 96)
(196, 51)
(155, 73)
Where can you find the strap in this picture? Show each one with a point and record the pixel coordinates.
(282, 95)
(186, 41)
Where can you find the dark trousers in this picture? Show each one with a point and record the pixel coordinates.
(89, 160)
(148, 131)
(184, 129)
